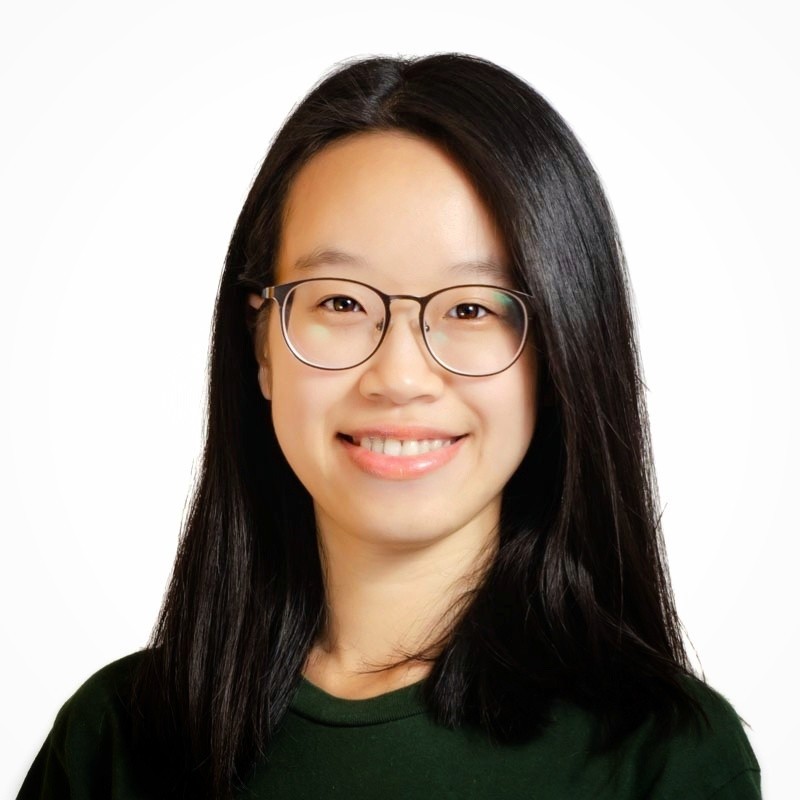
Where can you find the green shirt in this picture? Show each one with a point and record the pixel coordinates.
(389, 747)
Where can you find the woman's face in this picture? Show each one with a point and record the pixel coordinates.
(407, 215)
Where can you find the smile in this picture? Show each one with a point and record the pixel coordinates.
(399, 459)
(398, 447)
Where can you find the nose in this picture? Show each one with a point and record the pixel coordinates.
(402, 370)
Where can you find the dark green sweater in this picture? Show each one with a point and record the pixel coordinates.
(389, 747)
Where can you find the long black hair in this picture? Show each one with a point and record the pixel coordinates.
(575, 602)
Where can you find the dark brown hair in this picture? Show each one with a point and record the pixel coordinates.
(576, 601)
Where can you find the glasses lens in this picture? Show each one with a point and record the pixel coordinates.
(476, 330)
(333, 324)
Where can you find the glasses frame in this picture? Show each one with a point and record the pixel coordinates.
(279, 293)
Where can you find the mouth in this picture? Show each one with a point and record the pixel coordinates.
(392, 458)
(399, 447)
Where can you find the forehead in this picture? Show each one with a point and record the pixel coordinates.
(395, 208)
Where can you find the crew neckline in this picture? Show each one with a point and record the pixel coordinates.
(316, 704)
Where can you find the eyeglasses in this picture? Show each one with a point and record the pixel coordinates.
(334, 323)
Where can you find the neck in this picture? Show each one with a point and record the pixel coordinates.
(386, 600)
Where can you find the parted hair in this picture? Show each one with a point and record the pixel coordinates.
(575, 602)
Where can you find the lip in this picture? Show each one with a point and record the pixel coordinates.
(403, 432)
(399, 468)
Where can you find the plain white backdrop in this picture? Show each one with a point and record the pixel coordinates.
(129, 138)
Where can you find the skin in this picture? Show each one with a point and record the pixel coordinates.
(395, 552)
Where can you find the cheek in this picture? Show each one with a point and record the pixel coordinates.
(516, 394)
(302, 402)
(506, 418)
(295, 435)
(515, 420)
(296, 405)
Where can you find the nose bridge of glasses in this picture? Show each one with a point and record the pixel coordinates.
(404, 353)
(410, 307)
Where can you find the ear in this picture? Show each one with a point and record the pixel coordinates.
(265, 380)
(264, 371)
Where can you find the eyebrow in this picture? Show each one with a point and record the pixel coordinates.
(321, 256)
(327, 256)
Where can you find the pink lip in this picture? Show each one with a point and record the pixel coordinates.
(403, 432)
(400, 468)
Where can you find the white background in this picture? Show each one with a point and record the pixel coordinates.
(130, 134)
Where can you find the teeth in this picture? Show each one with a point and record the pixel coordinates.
(396, 447)
(410, 448)
(392, 447)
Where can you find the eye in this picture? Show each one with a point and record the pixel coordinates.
(341, 303)
(468, 311)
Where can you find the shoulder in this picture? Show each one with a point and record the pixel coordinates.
(718, 708)
(90, 739)
(103, 695)
(709, 758)
(705, 756)
(109, 680)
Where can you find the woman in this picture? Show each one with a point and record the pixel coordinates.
(424, 555)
